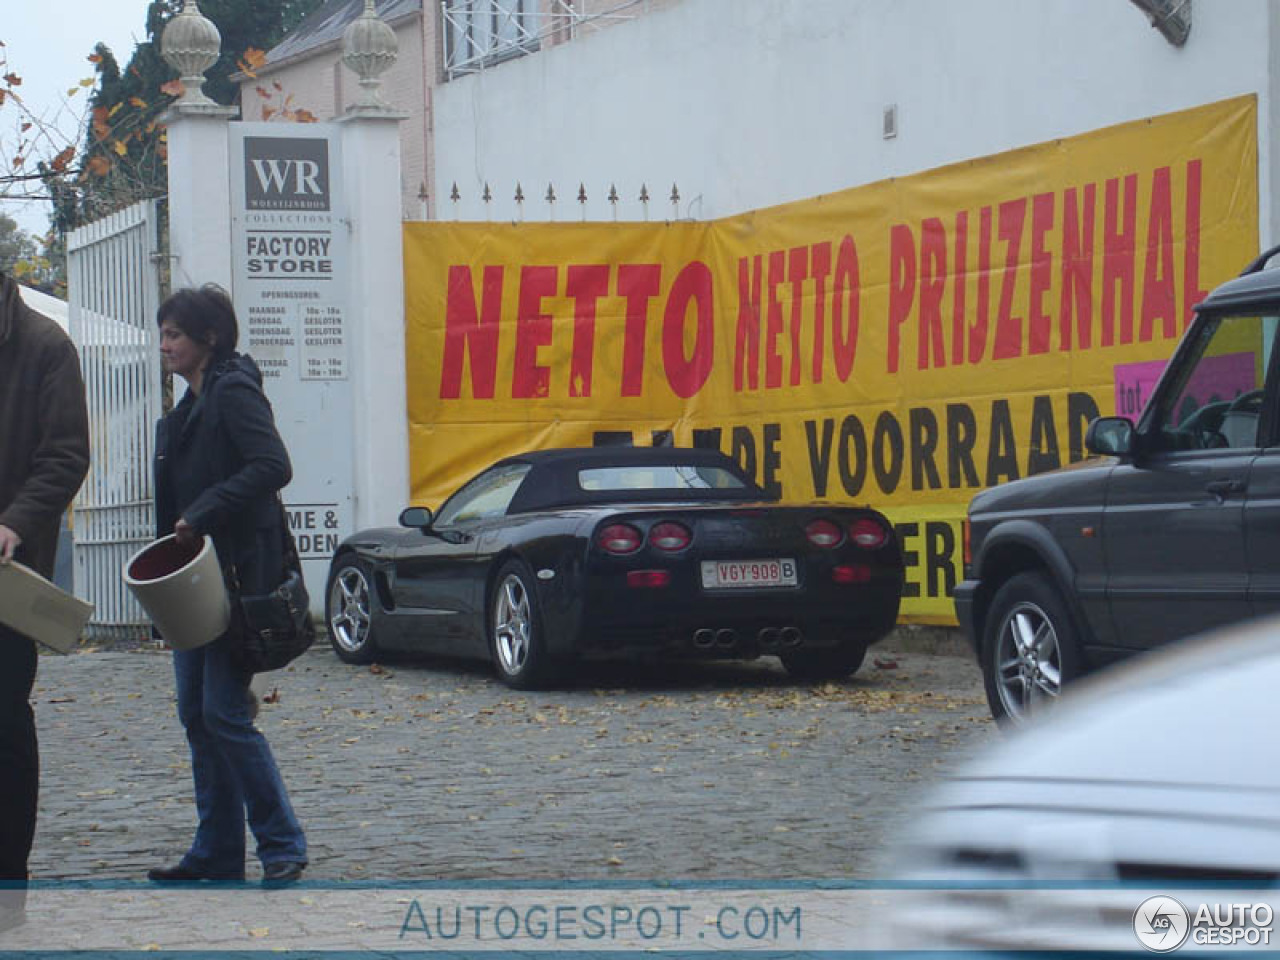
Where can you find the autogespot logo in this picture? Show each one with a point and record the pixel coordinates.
(1161, 924)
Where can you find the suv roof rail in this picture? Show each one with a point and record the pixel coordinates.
(1260, 263)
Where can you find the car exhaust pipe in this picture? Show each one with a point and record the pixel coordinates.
(792, 637)
(704, 638)
(726, 638)
(769, 637)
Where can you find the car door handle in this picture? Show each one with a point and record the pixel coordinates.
(1223, 488)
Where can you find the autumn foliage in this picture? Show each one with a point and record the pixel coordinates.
(120, 156)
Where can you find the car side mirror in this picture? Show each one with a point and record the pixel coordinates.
(416, 517)
(1110, 436)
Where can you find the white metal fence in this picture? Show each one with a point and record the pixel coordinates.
(113, 292)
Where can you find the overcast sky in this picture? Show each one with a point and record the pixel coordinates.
(46, 43)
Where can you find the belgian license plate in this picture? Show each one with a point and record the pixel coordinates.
(739, 574)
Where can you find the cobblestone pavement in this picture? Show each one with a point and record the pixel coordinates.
(430, 770)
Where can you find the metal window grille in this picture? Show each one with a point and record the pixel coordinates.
(481, 33)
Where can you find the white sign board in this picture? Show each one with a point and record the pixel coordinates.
(290, 268)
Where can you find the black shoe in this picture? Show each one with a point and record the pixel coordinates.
(185, 873)
(282, 873)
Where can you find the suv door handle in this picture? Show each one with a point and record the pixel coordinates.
(1222, 488)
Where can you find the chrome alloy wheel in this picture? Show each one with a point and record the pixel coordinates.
(1028, 661)
(512, 625)
(349, 620)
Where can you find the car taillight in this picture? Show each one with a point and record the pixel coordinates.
(850, 573)
(968, 546)
(619, 538)
(648, 578)
(823, 533)
(670, 536)
(868, 534)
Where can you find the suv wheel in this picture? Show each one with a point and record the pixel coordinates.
(1031, 648)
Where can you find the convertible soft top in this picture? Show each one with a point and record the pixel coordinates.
(553, 480)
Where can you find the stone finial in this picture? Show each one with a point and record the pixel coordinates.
(191, 45)
(369, 47)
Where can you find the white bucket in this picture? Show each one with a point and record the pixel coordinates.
(181, 589)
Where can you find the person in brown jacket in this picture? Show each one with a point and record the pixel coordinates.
(44, 456)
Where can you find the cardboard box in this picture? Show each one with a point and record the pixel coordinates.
(34, 607)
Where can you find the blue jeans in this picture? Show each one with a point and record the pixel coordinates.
(231, 763)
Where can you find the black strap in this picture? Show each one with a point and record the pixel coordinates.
(289, 550)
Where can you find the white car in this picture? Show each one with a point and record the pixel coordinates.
(1158, 778)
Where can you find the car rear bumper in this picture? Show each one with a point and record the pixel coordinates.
(749, 624)
(964, 595)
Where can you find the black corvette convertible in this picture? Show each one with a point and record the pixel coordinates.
(664, 552)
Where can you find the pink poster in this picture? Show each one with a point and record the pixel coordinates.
(1216, 378)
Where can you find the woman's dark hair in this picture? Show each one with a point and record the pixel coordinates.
(205, 315)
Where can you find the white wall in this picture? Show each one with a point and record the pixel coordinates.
(748, 103)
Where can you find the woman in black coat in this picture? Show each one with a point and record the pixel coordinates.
(219, 466)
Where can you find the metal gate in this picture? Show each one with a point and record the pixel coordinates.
(113, 292)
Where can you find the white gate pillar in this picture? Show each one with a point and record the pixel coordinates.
(371, 177)
(371, 170)
(199, 193)
(199, 196)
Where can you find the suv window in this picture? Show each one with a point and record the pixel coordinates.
(1216, 401)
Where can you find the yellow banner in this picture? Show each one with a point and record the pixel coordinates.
(902, 344)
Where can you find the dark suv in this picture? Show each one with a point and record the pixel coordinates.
(1173, 529)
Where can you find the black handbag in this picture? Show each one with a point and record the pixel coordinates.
(275, 628)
